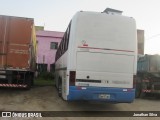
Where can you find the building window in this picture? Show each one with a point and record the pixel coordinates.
(54, 45)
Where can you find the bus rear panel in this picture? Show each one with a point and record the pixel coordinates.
(100, 60)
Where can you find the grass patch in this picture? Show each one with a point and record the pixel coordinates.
(42, 81)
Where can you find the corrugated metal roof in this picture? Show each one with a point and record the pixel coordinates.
(55, 34)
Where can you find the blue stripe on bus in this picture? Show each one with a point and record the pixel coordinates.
(117, 95)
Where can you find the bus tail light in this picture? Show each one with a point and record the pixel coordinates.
(134, 81)
(72, 78)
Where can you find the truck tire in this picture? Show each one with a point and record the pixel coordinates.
(32, 82)
(138, 87)
(137, 92)
(29, 82)
(142, 95)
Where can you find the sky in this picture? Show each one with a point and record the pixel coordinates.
(55, 15)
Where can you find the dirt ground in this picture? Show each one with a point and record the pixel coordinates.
(46, 99)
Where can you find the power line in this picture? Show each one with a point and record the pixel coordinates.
(153, 36)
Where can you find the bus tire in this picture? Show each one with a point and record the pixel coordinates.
(60, 88)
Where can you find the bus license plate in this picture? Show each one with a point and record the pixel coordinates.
(104, 96)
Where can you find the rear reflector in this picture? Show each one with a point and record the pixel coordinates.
(72, 78)
(146, 91)
(13, 85)
(134, 81)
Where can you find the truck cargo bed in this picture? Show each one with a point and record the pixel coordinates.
(16, 43)
(17, 51)
(149, 63)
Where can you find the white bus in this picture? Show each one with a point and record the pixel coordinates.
(97, 58)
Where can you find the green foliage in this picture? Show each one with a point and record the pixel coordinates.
(44, 82)
(45, 78)
(46, 75)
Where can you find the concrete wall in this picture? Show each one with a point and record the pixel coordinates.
(45, 55)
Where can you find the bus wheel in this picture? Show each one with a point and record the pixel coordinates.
(60, 89)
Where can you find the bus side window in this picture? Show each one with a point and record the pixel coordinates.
(63, 48)
(67, 37)
(64, 43)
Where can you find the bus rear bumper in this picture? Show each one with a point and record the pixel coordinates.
(115, 95)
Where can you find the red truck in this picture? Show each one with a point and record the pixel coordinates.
(17, 51)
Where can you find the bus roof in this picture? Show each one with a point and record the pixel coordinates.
(103, 30)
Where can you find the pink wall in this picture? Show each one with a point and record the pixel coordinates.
(44, 39)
